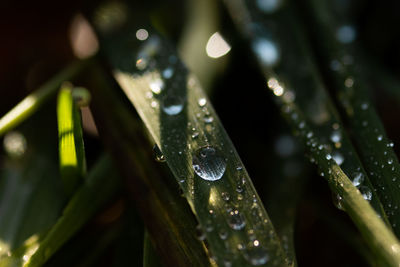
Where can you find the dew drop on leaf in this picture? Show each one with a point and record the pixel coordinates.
(236, 221)
(358, 178)
(209, 164)
(172, 105)
(366, 192)
(158, 155)
(256, 255)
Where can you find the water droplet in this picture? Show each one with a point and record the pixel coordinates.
(358, 178)
(142, 34)
(195, 135)
(216, 46)
(209, 164)
(200, 233)
(158, 155)
(349, 82)
(208, 119)
(366, 192)
(266, 51)
(328, 156)
(346, 34)
(256, 255)
(336, 136)
(338, 201)
(390, 144)
(15, 144)
(157, 85)
(364, 106)
(168, 72)
(268, 6)
(335, 65)
(285, 146)
(225, 196)
(202, 102)
(310, 134)
(390, 161)
(236, 220)
(338, 158)
(380, 137)
(172, 105)
(223, 234)
(142, 63)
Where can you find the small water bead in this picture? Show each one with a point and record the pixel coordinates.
(142, 63)
(172, 105)
(268, 6)
(158, 155)
(209, 164)
(208, 119)
(338, 158)
(167, 73)
(364, 106)
(142, 34)
(338, 201)
(202, 102)
(223, 234)
(380, 137)
(328, 156)
(358, 178)
(200, 233)
(256, 255)
(157, 85)
(236, 220)
(310, 134)
(390, 161)
(195, 135)
(225, 196)
(285, 146)
(335, 65)
(349, 82)
(336, 136)
(346, 34)
(366, 192)
(266, 51)
(390, 144)
(15, 144)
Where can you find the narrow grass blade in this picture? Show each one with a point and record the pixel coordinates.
(353, 97)
(33, 101)
(72, 152)
(164, 212)
(278, 67)
(150, 257)
(100, 185)
(31, 195)
(196, 147)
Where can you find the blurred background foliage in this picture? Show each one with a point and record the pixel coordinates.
(39, 38)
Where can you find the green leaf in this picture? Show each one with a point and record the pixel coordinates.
(32, 102)
(72, 152)
(100, 185)
(292, 79)
(353, 96)
(164, 212)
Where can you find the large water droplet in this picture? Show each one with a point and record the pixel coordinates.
(209, 164)
(172, 105)
(236, 220)
(256, 255)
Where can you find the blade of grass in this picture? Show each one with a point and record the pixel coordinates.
(184, 125)
(353, 97)
(165, 213)
(35, 100)
(100, 185)
(150, 257)
(72, 153)
(309, 129)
